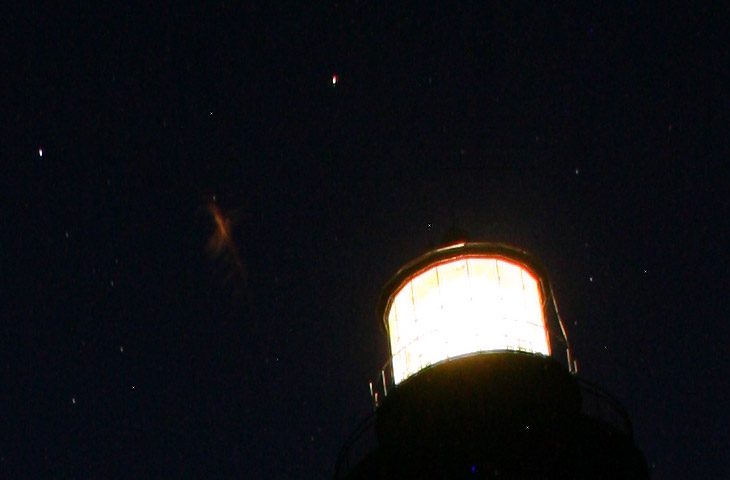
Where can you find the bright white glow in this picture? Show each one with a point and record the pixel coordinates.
(462, 306)
(40, 152)
(334, 79)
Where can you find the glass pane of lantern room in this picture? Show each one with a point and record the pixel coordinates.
(533, 301)
(486, 300)
(427, 308)
(426, 300)
(512, 302)
(458, 315)
(483, 297)
(402, 330)
(526, 325)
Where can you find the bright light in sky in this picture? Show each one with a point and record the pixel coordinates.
(463, 306)
(40, 152)
(334, 80)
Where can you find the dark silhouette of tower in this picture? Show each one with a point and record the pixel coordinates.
(481, 382)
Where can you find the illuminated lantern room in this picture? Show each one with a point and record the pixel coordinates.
(465, 299)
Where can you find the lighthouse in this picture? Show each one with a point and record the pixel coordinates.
(481, 381)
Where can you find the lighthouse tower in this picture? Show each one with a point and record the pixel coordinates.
(481, 381)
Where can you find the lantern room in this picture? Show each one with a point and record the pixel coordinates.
(464, 299)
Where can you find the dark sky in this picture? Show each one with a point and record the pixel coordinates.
(592, 137)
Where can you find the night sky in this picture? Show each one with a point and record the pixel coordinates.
(591, 137)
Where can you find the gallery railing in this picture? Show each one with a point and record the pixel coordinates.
(358, 445)
(599, 404)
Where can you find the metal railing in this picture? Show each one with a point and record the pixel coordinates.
(379, 387)
(599, 404)
(358, 445)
